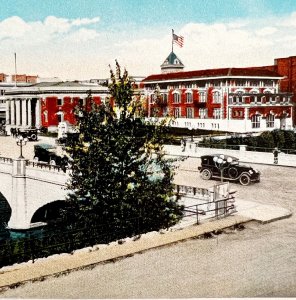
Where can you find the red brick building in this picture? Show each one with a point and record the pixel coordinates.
(228, 99)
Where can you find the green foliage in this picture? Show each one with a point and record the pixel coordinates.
(283, 139)
(118, 169)
(266, 139)
(279, 138)
(290, 139)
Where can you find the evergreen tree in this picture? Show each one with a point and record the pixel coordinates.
(119, 175)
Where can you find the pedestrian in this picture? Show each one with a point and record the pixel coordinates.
(183, 144)
(276, 152)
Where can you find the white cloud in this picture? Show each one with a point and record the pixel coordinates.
(85, 21)
(71, 48)
(266, 31)
(82, 35)
(13, 27)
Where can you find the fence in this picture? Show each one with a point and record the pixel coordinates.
(208, 203)
(45, 242)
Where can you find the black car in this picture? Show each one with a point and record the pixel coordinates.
(213, 166)
(47, 153)
(30, 134)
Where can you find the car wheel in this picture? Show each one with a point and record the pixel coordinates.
(244, 179)
(206, 174)
(33, 137)
(52, 162)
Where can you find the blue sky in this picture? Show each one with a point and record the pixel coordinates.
(78, 39)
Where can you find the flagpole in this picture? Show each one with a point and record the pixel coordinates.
(172, 40)
(15, 68)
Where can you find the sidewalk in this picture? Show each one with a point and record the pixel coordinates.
(63, 263)
(284, 160)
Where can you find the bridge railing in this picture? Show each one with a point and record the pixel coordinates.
(6, 160)
(46, 166)
(206, 204)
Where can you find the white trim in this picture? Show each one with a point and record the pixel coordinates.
(210, 78)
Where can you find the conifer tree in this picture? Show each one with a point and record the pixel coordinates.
(119, 174)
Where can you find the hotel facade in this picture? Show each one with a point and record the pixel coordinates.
(226, 99)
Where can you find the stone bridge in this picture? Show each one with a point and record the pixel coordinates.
(29, 186)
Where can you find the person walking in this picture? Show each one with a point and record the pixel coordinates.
(183, 144)
(276, 152)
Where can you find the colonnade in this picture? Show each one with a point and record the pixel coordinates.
(23, 112)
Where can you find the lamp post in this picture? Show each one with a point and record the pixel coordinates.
(221, 163)
(21, 141)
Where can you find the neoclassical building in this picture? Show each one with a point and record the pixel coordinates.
(48, 103)
(226, 99)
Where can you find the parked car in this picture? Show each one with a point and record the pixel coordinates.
(47, 153)
(211, 167)
(30, 134)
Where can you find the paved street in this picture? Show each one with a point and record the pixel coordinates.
(258, 261)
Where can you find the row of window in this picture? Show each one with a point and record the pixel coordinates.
(60, 102)
(256, 121)
(203, 113)
(219, 83)
(189, 98)
(255, 99)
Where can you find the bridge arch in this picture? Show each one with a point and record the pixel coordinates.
(27, 187)
(49, 212)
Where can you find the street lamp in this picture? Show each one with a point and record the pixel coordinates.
(21, 141)
(221, 163)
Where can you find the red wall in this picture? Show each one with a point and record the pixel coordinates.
(49, 104)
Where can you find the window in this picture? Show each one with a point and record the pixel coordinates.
(270, 121)
(59, 102)
(203, 113)
(165, 98)
(216, 97)
(176, 98)
(189, 98)
(202, 97)
(255, 121)
(177, 112)
(190, 112)
(217, 113)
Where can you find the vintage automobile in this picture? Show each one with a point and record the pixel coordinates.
(47, 153)
(213, 166)
(30, 134)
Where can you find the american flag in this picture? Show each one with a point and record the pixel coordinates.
(178, 39)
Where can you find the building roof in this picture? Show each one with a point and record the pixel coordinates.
(172, 60)
(223, 72)
(60, 84)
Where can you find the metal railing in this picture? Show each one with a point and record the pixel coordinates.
(209, 210)
(43, 165)
(6, 160)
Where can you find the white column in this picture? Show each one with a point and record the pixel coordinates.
(7, 113)
(38, 114)
(19, 207)
(18, 112)
(24, 112)
(12, 111)
(29, 113)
